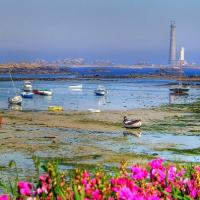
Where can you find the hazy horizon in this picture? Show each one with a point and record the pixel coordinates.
(124, 31)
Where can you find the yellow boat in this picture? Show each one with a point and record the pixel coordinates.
(55, 108)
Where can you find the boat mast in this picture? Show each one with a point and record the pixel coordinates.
(14, 88)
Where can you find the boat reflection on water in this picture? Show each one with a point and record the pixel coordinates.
(102, 100)
(15, 107)
(178, 98)
(136, 133)
(76, 89)
(48, 98)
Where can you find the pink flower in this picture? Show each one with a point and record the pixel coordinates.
(197, 168)
(157, 163)
(85, 174)
(158, 174)
(138, 173)
(125, 193)
(4, 197)
(168, 189)
(24, 188)
(171, 174)
(96, 195)
(44, 178)
(153, 198)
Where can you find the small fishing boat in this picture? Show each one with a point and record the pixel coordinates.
(35, 91)
(27, 86)
(55, 108)
(179, 89)
(45, 92)
(130, 123)
(94, 110)
(15, 100)
(27, 94)
(76, 86)
(101, 91)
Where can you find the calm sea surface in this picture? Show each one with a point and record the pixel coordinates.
(122, 94)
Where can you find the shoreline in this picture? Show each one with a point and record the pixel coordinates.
(189, 79)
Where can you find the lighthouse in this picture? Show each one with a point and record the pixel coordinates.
(182, 56)
(172, 49)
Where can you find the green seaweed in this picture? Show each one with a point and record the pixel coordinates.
(99, 122)
(195, 151)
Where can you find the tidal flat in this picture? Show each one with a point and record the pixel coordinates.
(81, 138)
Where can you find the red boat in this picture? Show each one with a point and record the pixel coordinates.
(37, 91)
(43, 92)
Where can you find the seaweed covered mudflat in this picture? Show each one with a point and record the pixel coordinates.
(85, 139)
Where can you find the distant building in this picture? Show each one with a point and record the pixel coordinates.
(172, 49)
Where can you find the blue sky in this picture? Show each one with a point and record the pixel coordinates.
(125, 31)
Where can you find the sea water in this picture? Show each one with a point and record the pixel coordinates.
(123, 94)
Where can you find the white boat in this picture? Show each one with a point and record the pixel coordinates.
(15, 100)
(101, 91)
(46, 92)
(94, 110)
(27, 86)
(76, 86)
(179, 89)
(130, 123)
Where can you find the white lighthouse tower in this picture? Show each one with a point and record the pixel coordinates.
(182, 56)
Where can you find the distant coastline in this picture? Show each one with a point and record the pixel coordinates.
(52, 71)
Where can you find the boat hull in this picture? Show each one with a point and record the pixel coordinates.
(27, 95)
(17, 100)
(100, 92)
(27, 86)
(55, 108)
(179, 89)
(43, 92)
(76, 86)
(134, 124)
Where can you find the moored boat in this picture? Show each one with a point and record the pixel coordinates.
(15, 100)
(55, 108)
(94, 110)
(27, 86)
(179, 89)
(45, 92)
(27, 94)
(130, 123)
(101, 91)
(76, 86)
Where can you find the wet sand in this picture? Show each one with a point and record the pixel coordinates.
(103, 121)
(74, 137)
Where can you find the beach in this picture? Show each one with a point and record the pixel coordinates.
(84, 138)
